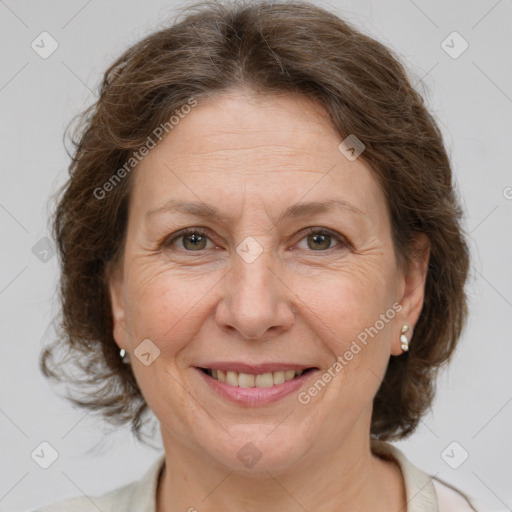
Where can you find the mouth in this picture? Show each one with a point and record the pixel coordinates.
(248, 385)
(251, 380)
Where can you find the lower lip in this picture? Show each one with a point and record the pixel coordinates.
(255, 396)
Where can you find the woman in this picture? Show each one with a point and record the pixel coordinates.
(261, 244)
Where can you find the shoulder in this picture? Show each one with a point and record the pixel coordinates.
(423, 491)
(451, 499)
(139, 495)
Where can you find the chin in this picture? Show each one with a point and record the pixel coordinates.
(255, 450)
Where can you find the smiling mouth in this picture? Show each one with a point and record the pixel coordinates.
(248, 380)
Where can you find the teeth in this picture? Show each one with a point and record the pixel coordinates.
(232, 378)
(247, 380)
(264, 380)
(289, 375)
(279, 377)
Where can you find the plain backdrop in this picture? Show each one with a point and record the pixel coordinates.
(470, 96)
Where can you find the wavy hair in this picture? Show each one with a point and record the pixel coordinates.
(270, 48)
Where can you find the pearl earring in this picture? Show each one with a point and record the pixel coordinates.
(403, 338)
(124, 355)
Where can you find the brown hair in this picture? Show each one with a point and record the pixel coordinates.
(272, 48)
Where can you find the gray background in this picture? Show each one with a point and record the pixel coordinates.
(471, 96)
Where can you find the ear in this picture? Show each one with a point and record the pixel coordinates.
(114, 277)
(412, 290)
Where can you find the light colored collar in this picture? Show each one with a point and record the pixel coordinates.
(419, 489)
(139, 496)
(150, 484)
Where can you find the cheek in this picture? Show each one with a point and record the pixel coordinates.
(164, 306)
(345, 302)
(351, 311)
(353, 321)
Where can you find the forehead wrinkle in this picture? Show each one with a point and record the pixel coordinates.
(222, 167)
(271, 149)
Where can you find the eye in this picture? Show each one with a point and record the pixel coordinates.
(318, 239)
(195, 240)
(192, 240)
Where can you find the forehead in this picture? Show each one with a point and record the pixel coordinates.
(278, 149)
(282, 129)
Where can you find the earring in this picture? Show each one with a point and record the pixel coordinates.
(403, 338)
(124, 356)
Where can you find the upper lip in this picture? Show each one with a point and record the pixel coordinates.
(255, 369)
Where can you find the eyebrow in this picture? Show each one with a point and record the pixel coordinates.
(206, 211)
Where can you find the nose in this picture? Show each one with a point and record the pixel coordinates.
(256, 301)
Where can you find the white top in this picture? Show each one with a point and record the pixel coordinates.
(424, 493)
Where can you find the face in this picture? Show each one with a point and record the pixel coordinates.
(287, 263)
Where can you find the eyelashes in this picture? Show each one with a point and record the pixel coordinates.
(200, 238)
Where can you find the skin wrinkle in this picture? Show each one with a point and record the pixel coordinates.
(287, 305)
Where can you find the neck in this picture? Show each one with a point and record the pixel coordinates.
(347, 478)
